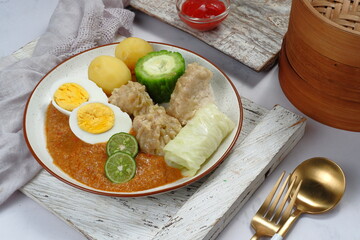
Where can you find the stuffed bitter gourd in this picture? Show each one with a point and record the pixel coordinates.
(159, 71)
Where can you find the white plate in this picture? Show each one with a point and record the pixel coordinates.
(226, 96)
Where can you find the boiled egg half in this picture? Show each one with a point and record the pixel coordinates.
(68, 94)
(96, 122)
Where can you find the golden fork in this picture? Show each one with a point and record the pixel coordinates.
(270, 217)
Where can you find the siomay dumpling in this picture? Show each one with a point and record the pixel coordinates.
(198, 140)
(192, 91)
(132, 98)
(155, 129)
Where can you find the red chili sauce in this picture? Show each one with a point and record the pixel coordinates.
(85, 162)
(203, 9)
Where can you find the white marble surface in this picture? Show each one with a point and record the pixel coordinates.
(21, 218)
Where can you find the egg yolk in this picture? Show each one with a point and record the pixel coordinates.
(70, 95)
(95, 118)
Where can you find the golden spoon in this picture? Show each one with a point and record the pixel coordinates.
(323, 185)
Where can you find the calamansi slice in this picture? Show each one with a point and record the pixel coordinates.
(123, 142)
(120, 167)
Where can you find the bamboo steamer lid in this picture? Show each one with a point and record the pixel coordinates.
(331, 27)
(346, 13)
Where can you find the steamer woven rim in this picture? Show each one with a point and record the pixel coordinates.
(345, 13)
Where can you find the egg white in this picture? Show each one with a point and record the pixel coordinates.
(123, 123)
(95, 93)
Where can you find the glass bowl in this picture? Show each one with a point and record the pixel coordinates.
(192, 13)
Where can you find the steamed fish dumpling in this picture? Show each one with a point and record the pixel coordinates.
(198, 140)
(132, 98)
(155, 129)
(192, 91)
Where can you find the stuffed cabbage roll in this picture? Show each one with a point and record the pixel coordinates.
(198, 140)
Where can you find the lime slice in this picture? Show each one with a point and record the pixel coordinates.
(120, 167)
(123, 142)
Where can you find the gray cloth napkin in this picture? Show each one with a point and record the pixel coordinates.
(74, 27)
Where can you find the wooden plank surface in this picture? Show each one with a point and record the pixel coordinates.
(217, 200)
(252, 33)
(266, 139)
(121, 218)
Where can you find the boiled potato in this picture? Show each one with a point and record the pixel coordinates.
(108, 73)
(131, 49)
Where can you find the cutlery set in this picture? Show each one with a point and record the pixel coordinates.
(273, 213)
(315, 186)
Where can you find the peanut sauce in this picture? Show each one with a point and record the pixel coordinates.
(85, 162)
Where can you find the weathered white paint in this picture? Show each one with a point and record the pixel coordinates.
(252, 33)
(198, 211)
(216, 201)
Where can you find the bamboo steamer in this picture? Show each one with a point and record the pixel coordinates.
(314, 103)
(327, 37)
(325, 74)
(319, 64)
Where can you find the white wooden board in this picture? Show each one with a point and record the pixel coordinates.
(198, 211)
(252, 33)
